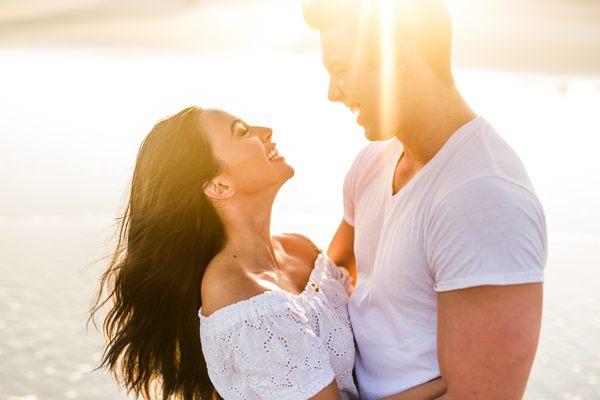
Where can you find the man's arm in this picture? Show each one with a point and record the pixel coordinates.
(487, 339)
(341, 249)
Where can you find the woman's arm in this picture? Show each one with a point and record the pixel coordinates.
(329, 392)
(427, 391)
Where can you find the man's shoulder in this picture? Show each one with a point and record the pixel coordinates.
(483, 165)
(375, 150)
(488, 196)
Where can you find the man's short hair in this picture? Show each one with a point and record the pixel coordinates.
(425, 23)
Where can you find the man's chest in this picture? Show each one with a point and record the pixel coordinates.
(389, 244)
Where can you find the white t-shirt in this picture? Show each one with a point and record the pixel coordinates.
(469, 217)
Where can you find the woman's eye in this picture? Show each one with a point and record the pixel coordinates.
(246, 132)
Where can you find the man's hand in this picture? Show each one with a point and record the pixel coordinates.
(487, 339)
(341, 249)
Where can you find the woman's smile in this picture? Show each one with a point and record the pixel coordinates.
(274, 156)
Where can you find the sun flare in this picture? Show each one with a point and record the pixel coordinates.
(386, 52)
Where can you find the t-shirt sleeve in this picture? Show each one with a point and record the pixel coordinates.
(486, 232)
(280, 356)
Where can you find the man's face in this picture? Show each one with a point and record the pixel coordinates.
(358, 80)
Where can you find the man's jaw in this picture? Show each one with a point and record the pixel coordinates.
(360, 116)
(355, 108)
(357, 111)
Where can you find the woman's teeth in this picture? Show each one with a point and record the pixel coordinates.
(273, 154)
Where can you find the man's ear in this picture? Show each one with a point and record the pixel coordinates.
(218, 188)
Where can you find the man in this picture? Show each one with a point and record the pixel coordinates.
(441, 222)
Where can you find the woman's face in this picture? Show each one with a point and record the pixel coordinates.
(248, 156)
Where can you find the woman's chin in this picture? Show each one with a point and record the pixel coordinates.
(289, 173)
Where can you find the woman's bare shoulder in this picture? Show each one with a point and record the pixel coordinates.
(226, 282)
(298, 245)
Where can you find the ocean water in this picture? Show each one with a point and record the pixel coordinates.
(71, 123)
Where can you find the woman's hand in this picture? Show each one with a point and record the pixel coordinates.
(427, 391)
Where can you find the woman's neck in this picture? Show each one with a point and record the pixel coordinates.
(248, 226)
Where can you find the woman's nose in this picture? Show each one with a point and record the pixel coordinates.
(263, 133)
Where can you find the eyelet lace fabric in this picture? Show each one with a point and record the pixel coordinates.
(279, 345)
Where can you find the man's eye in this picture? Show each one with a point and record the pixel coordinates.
(338, 71)
(246, 132)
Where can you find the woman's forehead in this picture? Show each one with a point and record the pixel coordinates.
(216, 117)
(218, 126)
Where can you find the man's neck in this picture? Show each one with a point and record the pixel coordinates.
(427, 133)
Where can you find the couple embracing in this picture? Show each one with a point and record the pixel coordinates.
(431, 287)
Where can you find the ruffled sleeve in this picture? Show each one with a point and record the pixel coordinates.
(272, 349)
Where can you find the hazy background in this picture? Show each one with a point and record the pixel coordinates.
(83, 81)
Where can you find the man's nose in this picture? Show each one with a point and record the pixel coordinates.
(335, 91)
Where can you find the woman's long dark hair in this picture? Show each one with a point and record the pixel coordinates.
(167, 236)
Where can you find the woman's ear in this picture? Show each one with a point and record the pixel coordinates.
(218, 189)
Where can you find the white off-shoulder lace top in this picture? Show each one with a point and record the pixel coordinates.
(279, 345)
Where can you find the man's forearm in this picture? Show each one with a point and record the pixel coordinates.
(427, 391)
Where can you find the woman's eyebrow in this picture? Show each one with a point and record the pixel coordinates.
(237, 121)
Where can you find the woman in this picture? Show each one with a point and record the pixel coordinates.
(196, 257)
